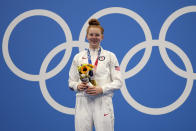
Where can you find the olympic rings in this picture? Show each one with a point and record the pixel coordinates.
(179, 101)
(162, 36)
(148, 44)
(44, 77)
(11, 27)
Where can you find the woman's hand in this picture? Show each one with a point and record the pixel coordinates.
(82, 86)
(94, 90)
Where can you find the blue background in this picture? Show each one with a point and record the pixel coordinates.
(23, 107)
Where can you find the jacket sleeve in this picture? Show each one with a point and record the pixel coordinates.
(115, 75)
(73, 75)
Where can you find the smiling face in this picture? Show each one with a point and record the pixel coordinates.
(94, 37)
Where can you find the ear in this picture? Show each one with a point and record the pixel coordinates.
(102, 36)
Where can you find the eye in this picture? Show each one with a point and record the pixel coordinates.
(97, 34)
(91, 34)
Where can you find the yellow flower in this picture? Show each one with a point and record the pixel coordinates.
(85, 69)
(91, 66)
(79, 68)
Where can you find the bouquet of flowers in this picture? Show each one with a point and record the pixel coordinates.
(86, 73)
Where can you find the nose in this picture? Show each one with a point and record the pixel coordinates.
(94, 36)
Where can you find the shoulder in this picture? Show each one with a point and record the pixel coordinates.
(79, 54)
(109, 53)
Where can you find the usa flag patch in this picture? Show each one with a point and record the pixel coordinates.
(117, 68)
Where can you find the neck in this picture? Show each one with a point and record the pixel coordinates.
(94, 48)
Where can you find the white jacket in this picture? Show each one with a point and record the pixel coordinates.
(108, 75)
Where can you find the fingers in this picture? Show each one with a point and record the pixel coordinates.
(82, 87)
(84, 83)
(91, 90)
(94, 90)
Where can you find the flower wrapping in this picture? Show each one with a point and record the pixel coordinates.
(86, 73)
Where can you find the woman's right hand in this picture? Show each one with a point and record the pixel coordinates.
(82, 86)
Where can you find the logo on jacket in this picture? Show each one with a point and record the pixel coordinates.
(102, 58)
(117, 68)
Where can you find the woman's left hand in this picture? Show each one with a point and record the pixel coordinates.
(94, 90)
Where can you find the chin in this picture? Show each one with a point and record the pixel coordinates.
(95, 45)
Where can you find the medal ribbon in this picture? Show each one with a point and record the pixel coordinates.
(96, 62)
